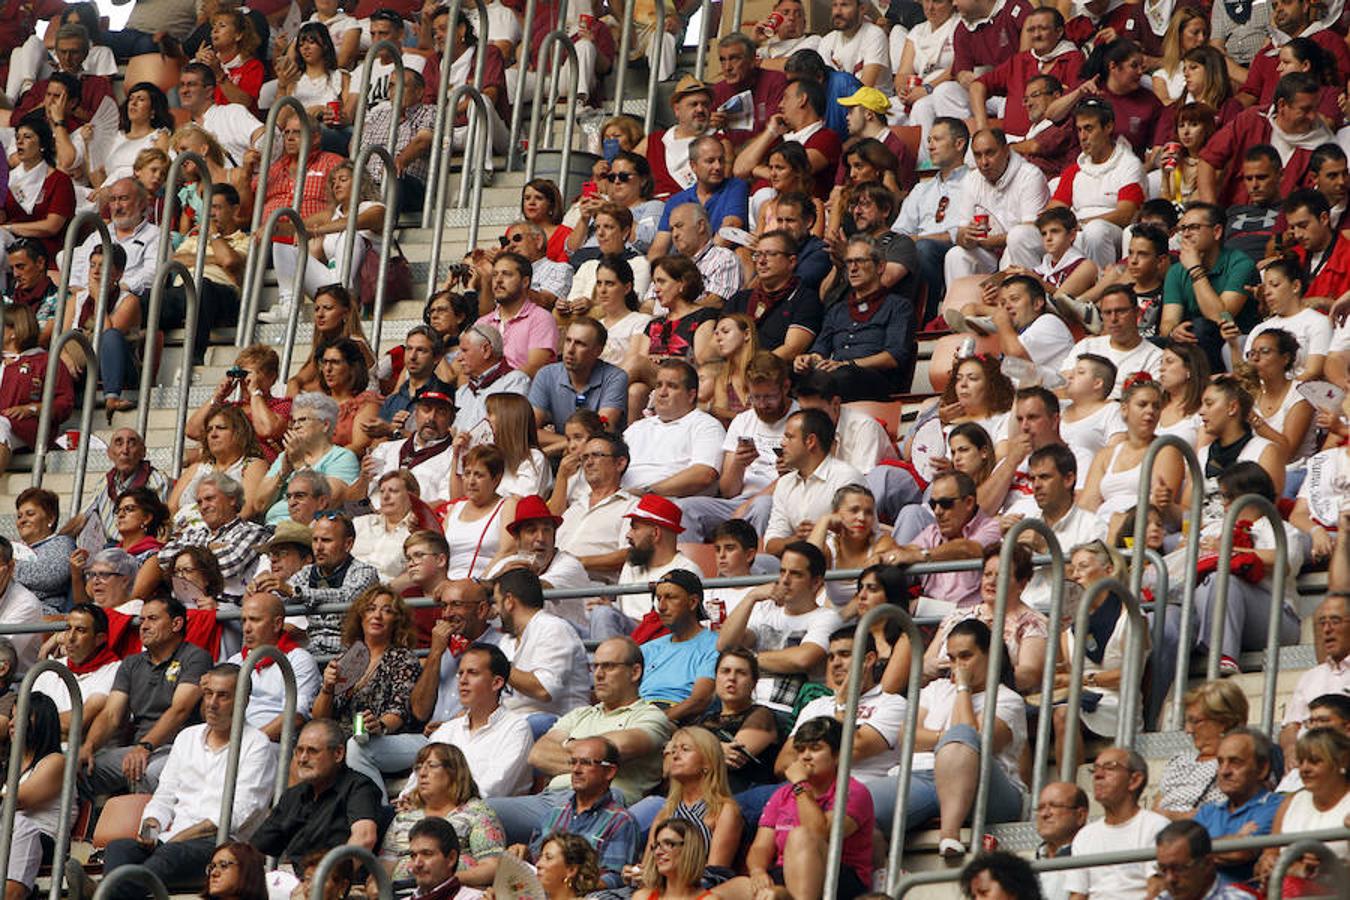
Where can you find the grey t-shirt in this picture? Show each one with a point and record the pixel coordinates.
(177, 17)
(149, 687)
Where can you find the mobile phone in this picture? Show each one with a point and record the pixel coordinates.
(745, 441)
(504, 241)
(589, 189)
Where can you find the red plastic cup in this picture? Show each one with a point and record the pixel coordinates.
(72, 439)
(335, 110)
(587, 21)
(980, 221)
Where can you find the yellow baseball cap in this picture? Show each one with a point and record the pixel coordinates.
(868, 98)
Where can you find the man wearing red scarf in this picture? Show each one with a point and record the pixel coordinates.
(90, 660)
(263, 618)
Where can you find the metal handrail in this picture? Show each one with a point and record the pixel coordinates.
(384, 884)
(253, 291)
(1041, 750)
(73, 229)
(165, 251)
(701, 50)
(443, 127)
(561, 40)
(359, 123)
(474, 166)
(657, 51)
(737, 14)
(256, 262)
(625, 47)
(993, 677)
(1219, 598)
(1135, 855)
(149, 880)
(907, 738)
(1159, 624)
(68, 775)
(1196, 476)
(241, 692)
(522, 76)
(86, 409)
(391, 204)
(168, 269)
(1334, 867)
(1130, 671)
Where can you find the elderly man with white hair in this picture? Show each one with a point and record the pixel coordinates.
(482, 360)
(692, 237)
(235, 542)
(308, 444)
(129, 228)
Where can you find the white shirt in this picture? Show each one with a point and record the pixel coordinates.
(583, 285)
(592, 529)
(140, 246)
(933, 50)
(659, 449)
(1145, 356)
(1091, 433)
(19, 605)
(193, 780)
(498, 752)
(379, 545)
(447, 695)
(938, 699)
(97, 683)
(564, 571)
(1077, 526)
(797, 499)
(267, 693)
(471, 406)
(1327, 677)
(918, 214)
(1127, 881)
(1328, 480)
(861, 441)
(867, 47)
(635, 606)
(882, 712)
(501, 22)
(1047, 341)
(234, 126)
(767, 435)
(533, 476)
(1309, 327)
(1017, 198)
(785, 48)
(776, 629)
(551, 650)
(433, 475)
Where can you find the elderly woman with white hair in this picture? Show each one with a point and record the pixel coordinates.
(108, 578)
(308, 443)
(235, 541)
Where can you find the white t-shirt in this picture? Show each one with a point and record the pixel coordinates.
(775, 629)
(1127, 881)
(1309, 327)
(234, 126)
(767, 435)
(1090, 433)
(502, 23)
(785, 48)
(884, 713)
(635, 606)
(867, 47)
(1047, 341)
(92, 684)
(938, 698)
(861, 441)
(1078, 526)
(660, 449)
(1145, 357)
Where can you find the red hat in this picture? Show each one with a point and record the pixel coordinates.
(530, 508)
(659, 511)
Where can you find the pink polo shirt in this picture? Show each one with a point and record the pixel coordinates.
(961, 588)
(531, 328)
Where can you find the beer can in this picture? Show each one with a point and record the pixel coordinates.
(772, 21)
(335, 110)
(980, 220)
(359, 733)
(989, 842)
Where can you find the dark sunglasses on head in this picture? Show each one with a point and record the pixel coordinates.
(329, 514)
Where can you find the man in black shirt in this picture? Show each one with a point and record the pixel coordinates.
(786, 310)
(330, 806)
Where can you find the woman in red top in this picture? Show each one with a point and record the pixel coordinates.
(239, 74)
(542, 203)
(41, 197)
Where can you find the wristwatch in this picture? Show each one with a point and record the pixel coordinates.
(149, 747)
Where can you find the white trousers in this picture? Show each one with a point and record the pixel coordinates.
(1099, 241)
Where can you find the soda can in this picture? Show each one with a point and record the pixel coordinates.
(772, 21)
(587, 21)
(359, 733)
(335, 110)
(915, 81)
(980, 221)
(967, 348)
(989, 842)
(73, 439)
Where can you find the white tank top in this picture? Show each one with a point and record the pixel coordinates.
(1303, 816)
(472, 544)
(1299, 458)
(1119, 490)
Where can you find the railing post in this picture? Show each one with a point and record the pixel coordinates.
(1196, 476)
(625, 47)
(363, 856)
(149, 881)
(241, 692)
(522, 76)
(658, 51)
(907, 737)
(359, 123)
(1044, 729)
(475, 165)
(253, 290)
(391, 203)
(443, 128)
(558, 39)
(996, 662)
(256, 263)
(86, 409)
(701, 51)
(737, 14)
(1130, 670)
(169, 269)
(1328, 860)
(1218, 598)
(68, 774)
(165, 251)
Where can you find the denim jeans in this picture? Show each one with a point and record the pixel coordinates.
(177, 863)
(114, 361)
(386, 753)
(521, 815)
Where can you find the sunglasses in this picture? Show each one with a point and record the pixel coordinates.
(330, 515)
(942, 502)
(619, 177)
(941, 209)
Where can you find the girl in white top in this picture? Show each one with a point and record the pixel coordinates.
(475, 526)
(1225, 411)
(849, 537)
(1283, 291)
(316, 80)
(513, 431)
(343, 30)
(1323, 756)
(1284, 417)
(39, 800)
(1187, 30)
(1091, 418)
(1183, 374)
(615, 303)
(1323, 493)
(1113, 481)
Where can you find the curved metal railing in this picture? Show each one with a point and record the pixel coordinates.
(1196, 477)
(169, 269)
(396, 80)
(907, 737)
(1130, 671)
(241, 691)
(253, 290)
(474, 166)
(1331, 870)
(363, 856)
(72, 753)
(443, 126)
(554, 39)
(522, 78)
(171, 185)
(148, 880)
(258, 258)
(1219, 599)
(390, 199)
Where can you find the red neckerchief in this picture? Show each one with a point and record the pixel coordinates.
(144, 545)
(408, 458)
(763, 302)
(285, 643)
(33, 298)
(483, 381)
(93, 663)
(138, 479)
(862, 309)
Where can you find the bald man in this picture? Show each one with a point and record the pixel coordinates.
(263, 617)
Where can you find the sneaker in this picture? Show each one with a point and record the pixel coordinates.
(1228, 667)
(951, 848)
(958, 321)
(1078, 311)
(79, 886)
(279, 313)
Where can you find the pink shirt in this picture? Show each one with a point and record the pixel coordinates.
(780, 814)
(961, 588)
(531, 328)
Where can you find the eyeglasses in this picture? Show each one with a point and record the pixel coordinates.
(127, 510)
(1258, 352)
(184, 571)
(587, 761)
(516, 238)
(858, 261)
(942, 502)
(219, 865)
(668, 844)
(303, 420)
(1178, 868)
(1189, 227)
(332, 362)
(1047, 806)
(1106, 768)
(757, 255)
(1333, 621)
(298, 495)
(587, 457)
(619, 177)
(328, 514)
(91, 575)
(1033, 95)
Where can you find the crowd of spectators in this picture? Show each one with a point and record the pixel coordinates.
(1117, 220)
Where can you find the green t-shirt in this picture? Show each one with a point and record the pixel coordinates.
(1233, 271)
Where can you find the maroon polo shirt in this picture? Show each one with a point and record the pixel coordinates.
(766, 86)
(1262, 76)
(1137, 115)
(1224, 152)
(1009, 79)
(1127, 20)
(991, 42)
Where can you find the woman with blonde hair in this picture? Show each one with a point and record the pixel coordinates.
(1190, 779)
(230, 446)
(1323, 758)
(674, 867)
(736, 341)
(1188, 29)
(192, 192)
(850, 537)
(230, 54)
(514, 432)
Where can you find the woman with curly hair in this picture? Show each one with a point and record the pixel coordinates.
(370, 684)
(978, 392)
(231, 55)
(230, 446)
(567, 867)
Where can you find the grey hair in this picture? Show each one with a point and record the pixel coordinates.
(74, 30)
(318, 483)
(530, 228)
(331, 731)
(873, 250)
(120, 560)
(1263, 749)
(1136, 764)
(10, 657)
(483, 333)
(226, 485)
(142, 195)
(322, 405)
(741, 38)
(694, 209)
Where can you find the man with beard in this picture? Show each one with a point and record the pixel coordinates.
(786, 311)
(857, 46)
(548, 660)
(334, 577)
(529, 334)
(426, 454)
(874, 209)
(535, 529)
(654, 525)
(668, 150)
(130, 230)
(580, 379)
(423, 350)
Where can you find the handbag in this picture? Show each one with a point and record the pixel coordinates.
(398, 277)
